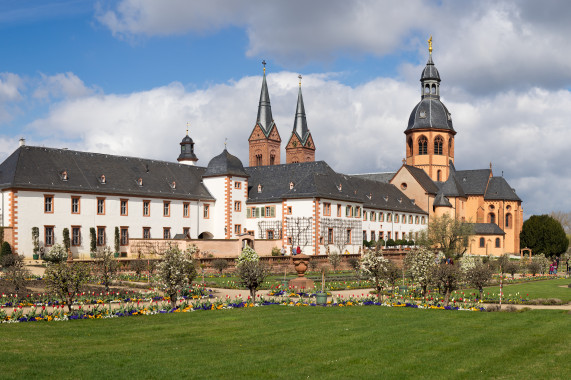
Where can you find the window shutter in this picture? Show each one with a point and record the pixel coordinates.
(249, 212)
(273, 211)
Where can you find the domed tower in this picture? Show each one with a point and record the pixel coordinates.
(300, 147)
(264, 141)
(430, 134)
(187, 155)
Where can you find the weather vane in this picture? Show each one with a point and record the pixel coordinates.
(187, 126)
(299, 76)
(264, 63)
(225, 142)
(430, 45)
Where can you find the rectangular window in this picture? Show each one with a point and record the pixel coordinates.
(100, 206)
(146, 208)
(327, 209)
(388, 235)
(373, 236)
(166, 233)
(270, 211)
(381, 217)
(365, 215)
(237, 206)
(100, 236)
(186, 232)
(124, 235)
(364, 235)
(338, 211)
(206, 211)
(146, 232)
(381, 235)
(389, 217)
(75, 205)
(124, 208)
(48, 204)
(75, 236)
(48, 236)
(373, 216)
(270, 234)
(237, 229)
(237, 185)
(396, 235)
(423, 220)
(357, 212)
(166, 208)
(185, 210)
(330, 236)
(416, 219)
(396, 218)
(289, 210)
(348, 238)
(410, 219)
(348, 211)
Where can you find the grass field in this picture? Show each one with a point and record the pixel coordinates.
(291, 342)
(536, 289)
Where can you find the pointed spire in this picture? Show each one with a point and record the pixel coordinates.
(265, 118)
(300, 122)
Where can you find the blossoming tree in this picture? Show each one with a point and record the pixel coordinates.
(175, 271)
(420, 262)
(250, 270)
(374, 267)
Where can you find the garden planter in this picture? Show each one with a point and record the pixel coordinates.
(321, 298)
(116, 254)
(35, 256)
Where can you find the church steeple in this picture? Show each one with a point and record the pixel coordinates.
(300, 147)
(264, 141)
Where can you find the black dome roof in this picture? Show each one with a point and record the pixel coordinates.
(430, 113)
(430, 71)
(225, 164)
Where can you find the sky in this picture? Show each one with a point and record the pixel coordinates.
(125, 77)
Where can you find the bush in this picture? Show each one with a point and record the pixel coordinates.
(6, 250)
(334, 259)
(221, 264)
(391, 243)
(57, 254)
(276, 251)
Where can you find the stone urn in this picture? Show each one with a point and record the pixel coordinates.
(301, 263)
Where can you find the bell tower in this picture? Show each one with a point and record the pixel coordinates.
(430, 134)
(264, 141)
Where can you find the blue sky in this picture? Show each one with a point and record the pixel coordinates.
(124, 77)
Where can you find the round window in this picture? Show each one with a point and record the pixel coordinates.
(403, 186)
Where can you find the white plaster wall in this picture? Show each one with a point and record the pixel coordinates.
(215, 224)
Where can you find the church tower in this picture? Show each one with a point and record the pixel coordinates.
(300, 147)
(264, 141)
(187, 155)
(430, 134)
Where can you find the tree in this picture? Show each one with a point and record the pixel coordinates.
(93, 241)
(334, 259)
(479, 276)
(544, 234)
(446, 277)
(36, 239)
(512, 268)
(564, 218)
(251, 271)
(65, 280)
(220, 265)
(448, 234)
(420, 262)
(392, 274)
(374, 267)
(542, 262)
(174, 272)
(15, 271)
(66, 240)
(106, 266)
(6, 250)
(117, 240)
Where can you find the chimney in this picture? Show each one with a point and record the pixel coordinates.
(22, 142)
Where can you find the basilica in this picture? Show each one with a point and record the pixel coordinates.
(120, 201)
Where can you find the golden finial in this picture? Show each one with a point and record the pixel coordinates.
(187, 126)
(299, 76)
(430, 45)
(264, 63)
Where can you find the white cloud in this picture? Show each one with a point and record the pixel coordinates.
(355, 130)
(62, 85)
(11, 86)
(511, 45)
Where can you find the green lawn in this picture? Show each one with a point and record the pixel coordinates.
(536, 289)
(292, 342)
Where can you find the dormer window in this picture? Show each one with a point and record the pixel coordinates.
(340, 187)
(140, 181)
(423, 114)
(102, 179)
(173, 185)
(370, 195)
(400, 200)
(259, 188)
(63, 175)
(291, 185)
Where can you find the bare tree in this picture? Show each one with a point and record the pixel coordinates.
(564, 218)
(299, 230)
(448, 234)
(106, 266)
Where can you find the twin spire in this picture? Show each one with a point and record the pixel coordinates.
(265, 143)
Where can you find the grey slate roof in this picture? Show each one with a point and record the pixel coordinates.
(474, 182)
(187, 149)
(441, 201)
(499, 189)
(430, 71)
(317, 179)
(265, 118)
(451, 187)
(31, 167)
(300, 123)
(430, 113)
(379, 177)
(225, 164)
(423, 179)
(487, 229)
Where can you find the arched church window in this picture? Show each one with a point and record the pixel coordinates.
(409, 147)
(258, 160)
(508, 220)
(272, 159)
(433, 89)
(491, 218)
(427, 89)
(438, 142)
(439, 175)
(482, 242)
(497, 242)
(422, 145)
